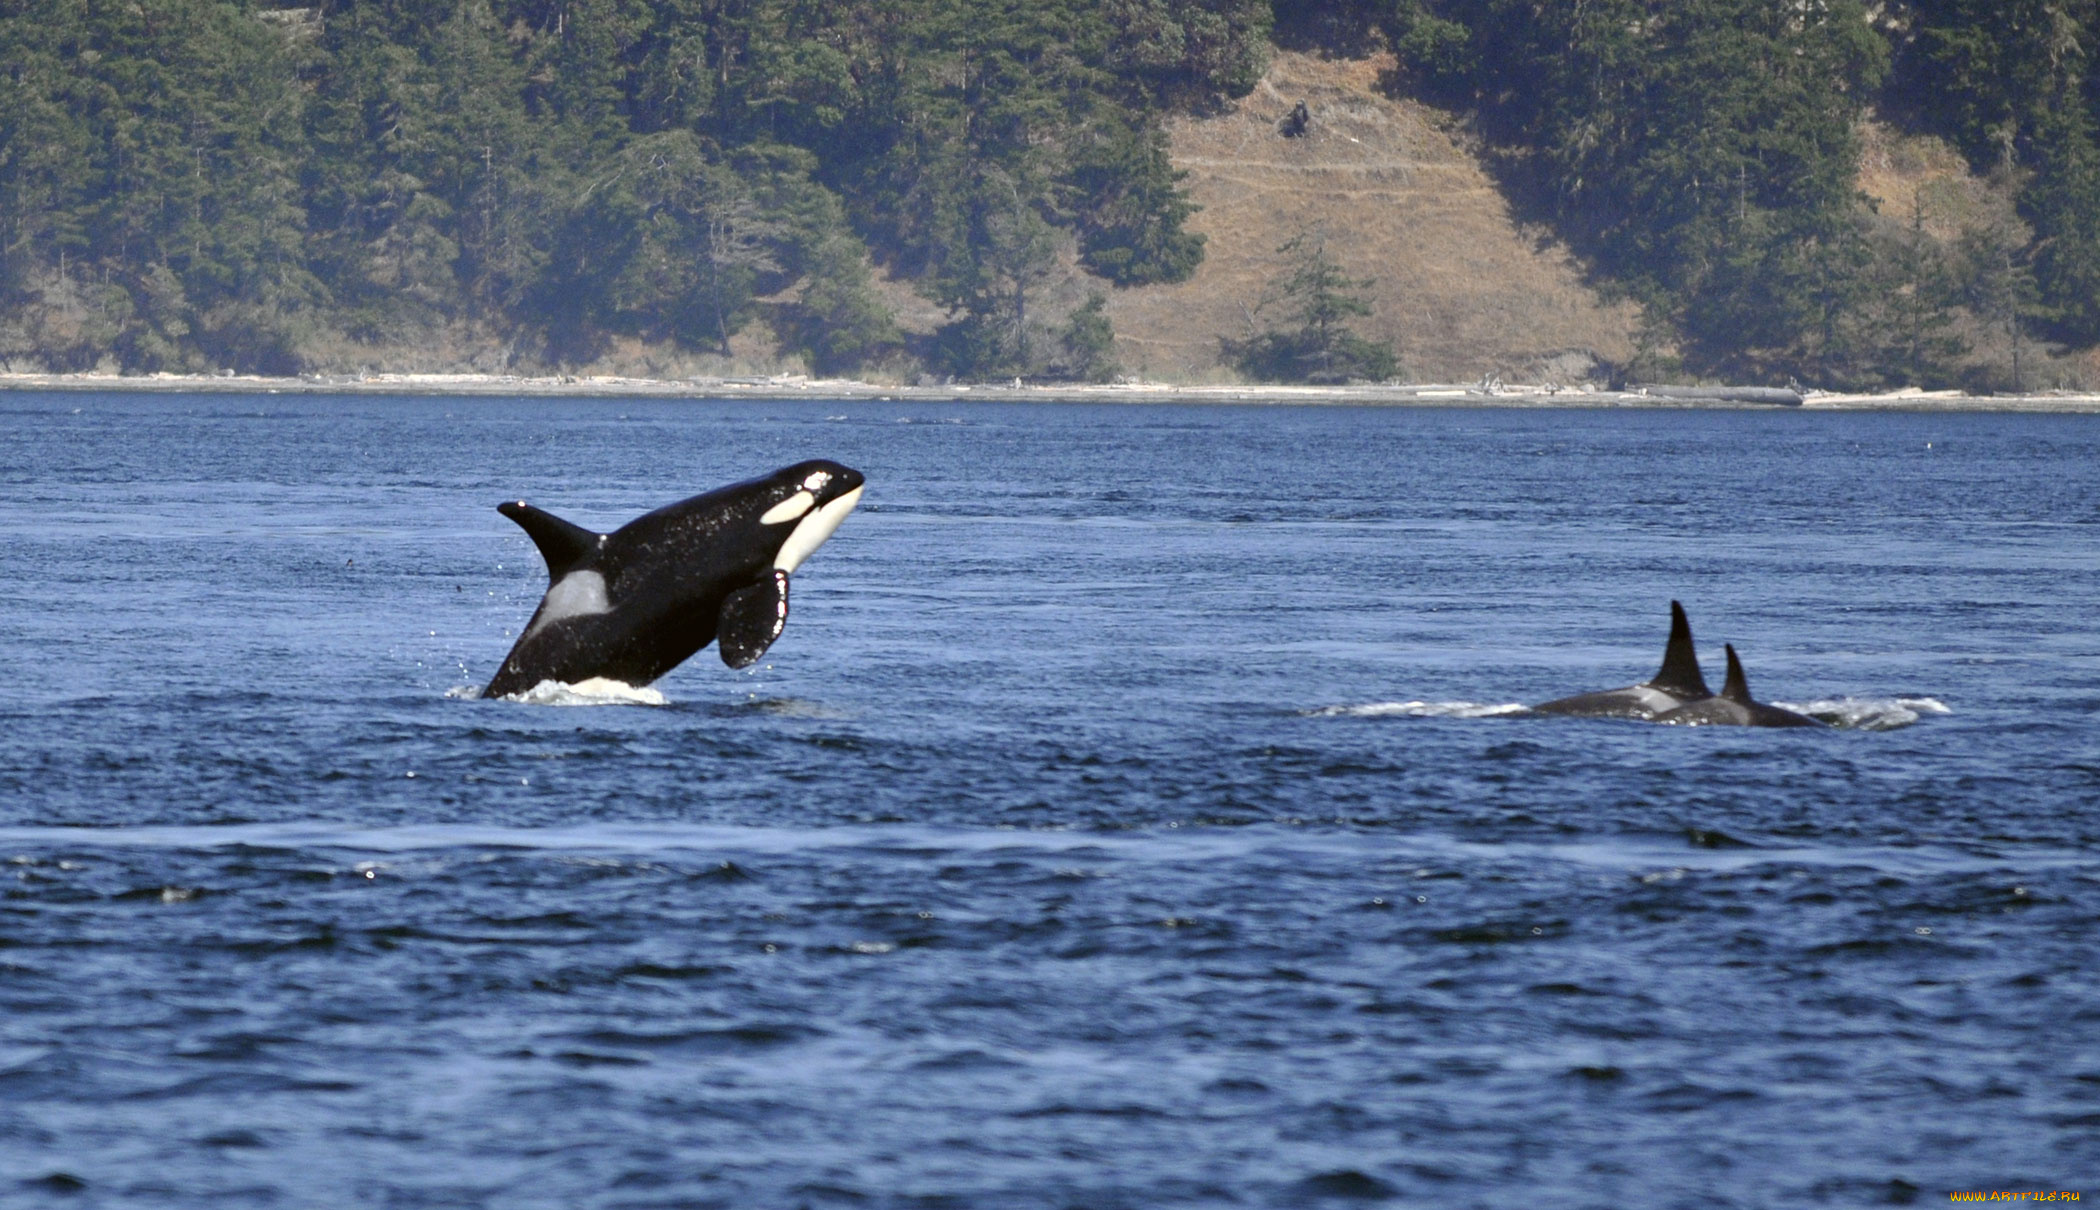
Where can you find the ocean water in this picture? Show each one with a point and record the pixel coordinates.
(1137, 812)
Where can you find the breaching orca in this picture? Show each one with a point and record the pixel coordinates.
(1734, 707)
(631, 605)
(1678, 684)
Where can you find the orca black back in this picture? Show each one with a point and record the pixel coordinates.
(1677, 683)
(633, 604)
(1734, 707)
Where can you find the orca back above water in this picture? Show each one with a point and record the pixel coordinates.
(1734, 706)
(631, 605)
(1677, 684)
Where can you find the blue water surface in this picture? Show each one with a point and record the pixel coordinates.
(1135, 813)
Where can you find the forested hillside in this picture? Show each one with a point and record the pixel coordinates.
(188, 185)
(1705, 156)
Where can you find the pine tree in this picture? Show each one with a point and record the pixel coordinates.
(1918, 287)
(1998, 287)
(1317, 345)
(1088, 342)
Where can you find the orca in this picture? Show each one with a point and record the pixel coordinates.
(631, 605)
(1734, 707)
(1678, 683)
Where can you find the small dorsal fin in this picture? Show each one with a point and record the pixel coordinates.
(1680, 671)
(562, 544)
(1737, 687)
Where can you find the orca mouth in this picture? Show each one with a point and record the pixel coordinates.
(816, 525)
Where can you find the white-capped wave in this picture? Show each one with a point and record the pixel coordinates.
(1849, 713)
(1420, 710)
(1869, 713)
(592, 691)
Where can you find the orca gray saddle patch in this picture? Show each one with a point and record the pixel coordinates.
(578, 594)
(751, 619)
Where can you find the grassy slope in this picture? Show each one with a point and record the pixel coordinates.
(1459, 289)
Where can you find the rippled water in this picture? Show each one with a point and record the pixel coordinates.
(1135, 813)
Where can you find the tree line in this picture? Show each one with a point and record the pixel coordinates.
(194, 184)
(191, 184)
(1704, 155)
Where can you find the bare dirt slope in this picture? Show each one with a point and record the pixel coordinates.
(1458, 288)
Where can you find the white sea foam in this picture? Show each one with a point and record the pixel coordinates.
(1848, 713)
(1869, 713)
(592, 691)
(1420, 710)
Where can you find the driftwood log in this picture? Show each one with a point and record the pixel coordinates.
(1779, 395)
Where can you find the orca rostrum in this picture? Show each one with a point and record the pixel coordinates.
(631, 605)
(1734, 707)
(1678, 684)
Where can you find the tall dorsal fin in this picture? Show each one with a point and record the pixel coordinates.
(1680, 671)
(562, 544)
(1737, 687)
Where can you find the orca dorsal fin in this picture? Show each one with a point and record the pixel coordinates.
(1737, 687)
(1680, 671)
(562, 544)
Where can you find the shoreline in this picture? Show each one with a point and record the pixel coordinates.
(790, 386)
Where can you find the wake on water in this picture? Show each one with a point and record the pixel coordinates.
(1844, 713)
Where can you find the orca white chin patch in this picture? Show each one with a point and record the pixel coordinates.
(789, 509)
(813, 529)
(578, 594)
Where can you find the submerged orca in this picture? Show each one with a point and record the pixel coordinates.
(631, 605)
(1734, 708)
(1677, 684)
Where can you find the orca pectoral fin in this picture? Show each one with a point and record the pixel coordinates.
(751, 619)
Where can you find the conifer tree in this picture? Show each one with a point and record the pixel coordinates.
(1316, 344)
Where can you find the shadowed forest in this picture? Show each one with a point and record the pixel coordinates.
(519, 185)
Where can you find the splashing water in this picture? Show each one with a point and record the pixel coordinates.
(592, 691)
(1870, 713)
